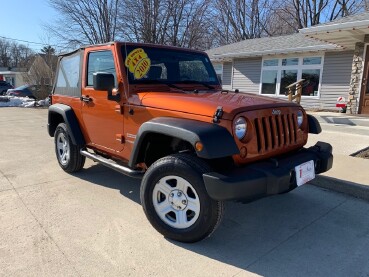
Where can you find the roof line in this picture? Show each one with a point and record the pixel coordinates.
(337, 26)
(284, 50)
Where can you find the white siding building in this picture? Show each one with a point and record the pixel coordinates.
(333, 66)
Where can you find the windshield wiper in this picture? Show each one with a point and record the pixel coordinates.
(196, 82)
(162, 83)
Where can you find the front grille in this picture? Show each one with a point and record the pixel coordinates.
(275, 131)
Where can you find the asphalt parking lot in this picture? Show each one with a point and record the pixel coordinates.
(91, 223)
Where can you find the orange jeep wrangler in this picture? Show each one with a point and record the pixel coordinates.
(159, 113)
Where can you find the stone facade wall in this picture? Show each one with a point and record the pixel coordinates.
(356, 73)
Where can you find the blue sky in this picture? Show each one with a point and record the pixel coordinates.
(23, 19)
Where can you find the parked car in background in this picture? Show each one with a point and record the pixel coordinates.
(4, 86)
(23, 91)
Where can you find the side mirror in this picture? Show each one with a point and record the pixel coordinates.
(105, 81)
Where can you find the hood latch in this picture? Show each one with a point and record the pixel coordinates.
(218, 114)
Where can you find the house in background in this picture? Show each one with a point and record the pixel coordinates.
(40, 72)
(331, 56)
(13, 76)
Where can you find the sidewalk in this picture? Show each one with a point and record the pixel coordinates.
(341, 118)
(347, 134)
(348, 175)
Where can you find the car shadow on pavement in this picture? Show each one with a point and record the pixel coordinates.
(101, 175)
(294, 234)
(338, 120)
(283, 235)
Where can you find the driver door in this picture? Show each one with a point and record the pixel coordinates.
(102, 118)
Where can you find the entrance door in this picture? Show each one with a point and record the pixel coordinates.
(101, 117)
(364, 96)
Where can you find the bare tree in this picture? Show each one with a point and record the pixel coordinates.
(241, 19)
(199, 24)
(189, 24)
(305, 13)
(85, 21)
(13, 54)
(5, 58)
(48, 54)
(179, 23)
(144, 21)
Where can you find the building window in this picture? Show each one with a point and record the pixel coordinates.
(219, 70)
(277, 74)
(10, 80)
(287, 77)
(312, 76)
(273, 62)
(269, 81)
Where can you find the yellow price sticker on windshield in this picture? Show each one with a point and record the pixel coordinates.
(138, 63)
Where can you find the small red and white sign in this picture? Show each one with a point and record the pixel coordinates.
(341, 102)
(305, 172)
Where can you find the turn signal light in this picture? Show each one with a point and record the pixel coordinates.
(199, 146)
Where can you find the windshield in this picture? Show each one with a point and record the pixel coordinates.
(160, 65)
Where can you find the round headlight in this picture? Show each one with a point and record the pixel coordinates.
(300, 118)
(240, 128)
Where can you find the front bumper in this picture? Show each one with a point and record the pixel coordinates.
(266, 178)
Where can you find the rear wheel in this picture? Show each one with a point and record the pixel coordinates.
(67, 153)
(175, 200)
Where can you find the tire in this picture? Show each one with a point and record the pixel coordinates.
(67, 153)
(175, 200)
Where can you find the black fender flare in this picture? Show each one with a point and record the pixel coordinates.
(70, 120)
(217, 140)
(314, 125)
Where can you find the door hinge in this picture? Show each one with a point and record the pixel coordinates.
(120, 138)
(119, 109)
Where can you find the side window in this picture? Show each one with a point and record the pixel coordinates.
(68, 76)
(101, 61)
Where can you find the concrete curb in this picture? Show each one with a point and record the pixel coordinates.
(346, 187)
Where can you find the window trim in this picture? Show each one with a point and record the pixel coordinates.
(87, 63)
(300, 67)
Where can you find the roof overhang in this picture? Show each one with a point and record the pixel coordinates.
(11, 72)
(284, 51)
(345, 34)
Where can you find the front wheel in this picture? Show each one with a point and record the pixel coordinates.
(175, 200)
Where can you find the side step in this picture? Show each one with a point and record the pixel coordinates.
(113, 165)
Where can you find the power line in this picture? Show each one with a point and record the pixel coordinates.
(31, 42)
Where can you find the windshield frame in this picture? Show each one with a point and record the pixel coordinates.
(127, 49)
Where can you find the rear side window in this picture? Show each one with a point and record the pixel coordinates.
(68, 76)
(101, 61)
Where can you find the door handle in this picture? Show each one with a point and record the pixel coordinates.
(85, 99)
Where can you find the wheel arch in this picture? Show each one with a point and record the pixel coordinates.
(188, 131)
(59, 113)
